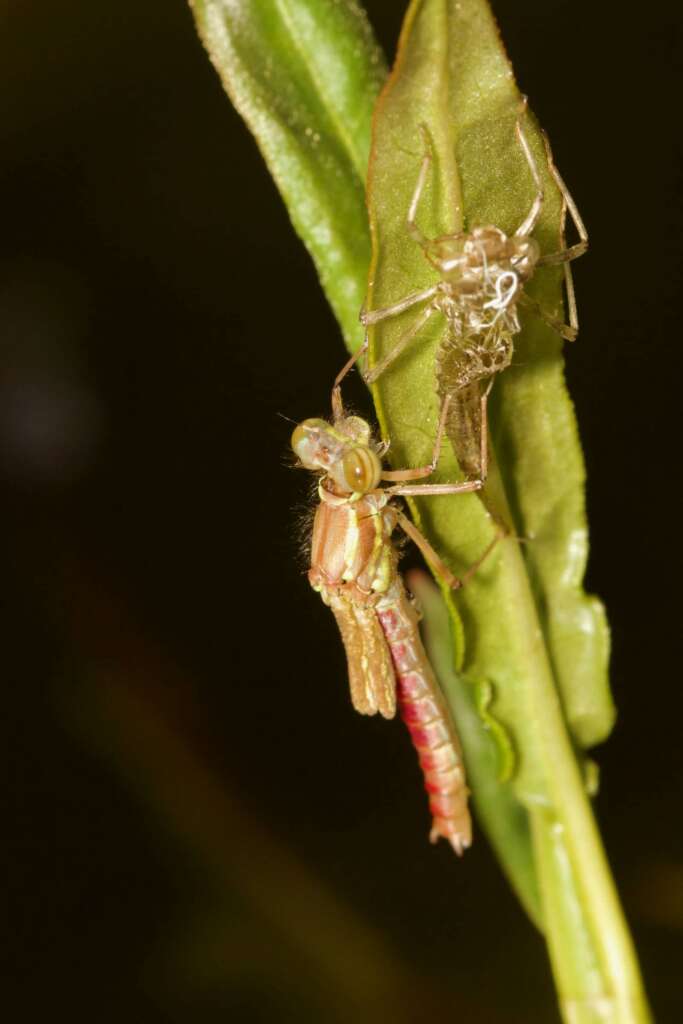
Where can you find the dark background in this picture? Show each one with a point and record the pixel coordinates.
(196, 826)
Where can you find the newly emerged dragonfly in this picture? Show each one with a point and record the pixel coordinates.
(482, 275)
(354, 568)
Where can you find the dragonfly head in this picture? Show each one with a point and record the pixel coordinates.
(342, 452)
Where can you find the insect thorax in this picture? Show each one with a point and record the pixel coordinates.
(482, 274)
(351, 548)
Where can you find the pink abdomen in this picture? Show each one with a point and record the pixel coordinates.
(425, 712)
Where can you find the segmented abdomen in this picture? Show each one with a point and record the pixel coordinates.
(425, 712)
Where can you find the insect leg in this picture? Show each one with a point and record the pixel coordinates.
(484, 433)
(421, 471)
(463, 487)
(529, 222)
(571, 300)
(574, 251)
(375, 315)
(410, 300)
(469, 573)
(337, 404)
(564, 256)
(411, 224)
(430, 555)
(371, 375)
(417, 490)
(567, 331)
(436, 562)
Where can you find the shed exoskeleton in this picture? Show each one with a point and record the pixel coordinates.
(482, 275)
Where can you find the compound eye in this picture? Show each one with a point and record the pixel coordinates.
(298, 435)
(304, 438)
(361, 470)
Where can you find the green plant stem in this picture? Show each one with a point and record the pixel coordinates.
(590, 948)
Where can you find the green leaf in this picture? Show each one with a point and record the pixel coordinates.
(483, 178)
(304, 75)
(530, 632)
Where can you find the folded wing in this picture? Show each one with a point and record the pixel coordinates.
(371, 671)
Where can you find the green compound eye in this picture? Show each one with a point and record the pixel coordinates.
(304, 434)
(298, 435)
(361, 469)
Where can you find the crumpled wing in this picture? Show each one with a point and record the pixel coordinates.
(371, 671)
